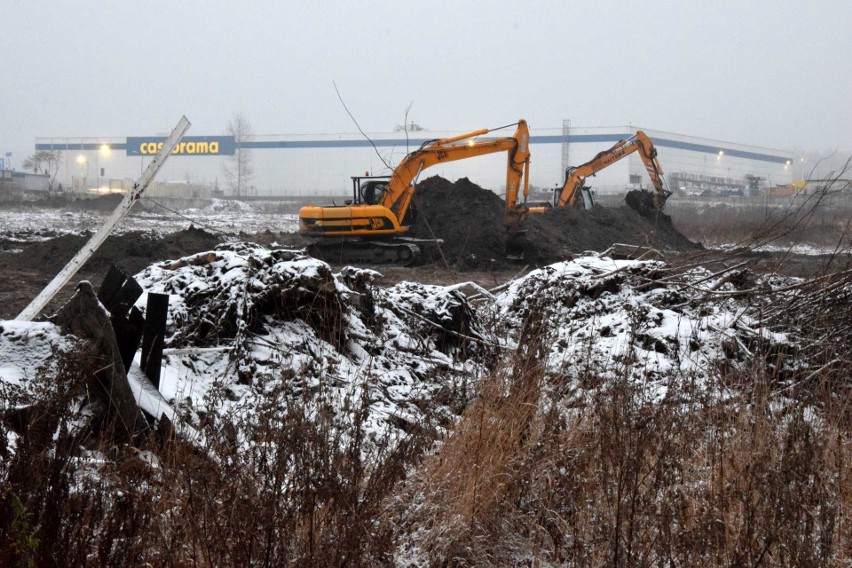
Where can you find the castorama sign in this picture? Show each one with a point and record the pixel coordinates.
(188, 146)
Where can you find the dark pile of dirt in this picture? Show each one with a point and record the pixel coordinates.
(276, 239)
(471, 222)
(26, 273)
(132, 251)
(469, 219)
(562, 232)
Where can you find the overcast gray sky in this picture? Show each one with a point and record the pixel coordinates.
(768, 73)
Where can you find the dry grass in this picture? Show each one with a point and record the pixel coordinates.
(291, 483)
(617, 481)
(741, 471)
(750, 468)
(776, 221)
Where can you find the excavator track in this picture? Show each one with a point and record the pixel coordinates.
(352, 251)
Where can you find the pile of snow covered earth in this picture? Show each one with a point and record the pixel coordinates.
(246, 321)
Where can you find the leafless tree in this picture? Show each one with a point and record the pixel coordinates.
(407, 126)
(364, 134)
(239, 169)
(45, 162)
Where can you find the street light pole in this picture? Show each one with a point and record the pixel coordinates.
(105, 150)
(81, 159)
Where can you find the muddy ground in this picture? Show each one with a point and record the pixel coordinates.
(467, 218)
(26, 273)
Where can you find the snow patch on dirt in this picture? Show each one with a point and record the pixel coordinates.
(247, 321)
(27, 346)
(616, 318)
(286, 318)
(34, 225)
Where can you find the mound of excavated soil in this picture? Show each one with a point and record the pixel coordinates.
(470, 220)
(561, 232)
(132, 251)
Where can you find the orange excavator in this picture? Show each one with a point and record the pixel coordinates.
(575, 193)
(371, 226)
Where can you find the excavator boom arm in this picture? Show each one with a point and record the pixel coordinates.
(397, 197)
(640, 142)
(648, 153)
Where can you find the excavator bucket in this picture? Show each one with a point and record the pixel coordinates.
(642, 201)
(586, 197)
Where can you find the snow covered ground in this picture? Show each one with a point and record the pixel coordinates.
(230, 217)
(248, 321)
(801, 248)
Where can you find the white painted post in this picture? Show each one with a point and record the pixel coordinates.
(70, 269)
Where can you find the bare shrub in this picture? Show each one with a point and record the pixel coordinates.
(731, 473)
(292, 482)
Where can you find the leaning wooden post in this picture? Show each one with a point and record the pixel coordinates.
(85, 317)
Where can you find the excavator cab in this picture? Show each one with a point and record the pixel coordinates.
(368, 190)
(586, 199)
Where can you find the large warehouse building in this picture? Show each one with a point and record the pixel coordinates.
(322, 164)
